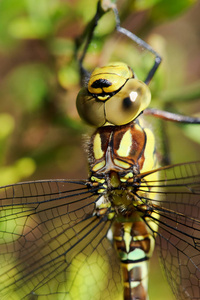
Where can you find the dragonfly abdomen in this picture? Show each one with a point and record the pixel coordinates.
(134, 245)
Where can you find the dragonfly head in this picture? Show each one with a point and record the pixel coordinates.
(113, 96)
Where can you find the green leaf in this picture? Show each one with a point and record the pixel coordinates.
(86, 9)
(9, 10)
(164, 10)
(68, 76)
(22, 168)
(145, 4)
(192, 131)
(25, 28)
(6, 125)
(61, 46)
(161, 9)
(32, 94)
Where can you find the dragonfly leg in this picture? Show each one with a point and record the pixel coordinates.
(165, 115)
(87, 37)
(140, 43)
(88, 33)
(169, 116)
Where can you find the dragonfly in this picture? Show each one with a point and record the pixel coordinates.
(94, 238)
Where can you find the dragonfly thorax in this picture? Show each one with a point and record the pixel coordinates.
(117, 148)
(117, 157)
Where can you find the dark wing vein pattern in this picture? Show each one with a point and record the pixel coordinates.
(176, 210)
(47, 233)
(54, 246)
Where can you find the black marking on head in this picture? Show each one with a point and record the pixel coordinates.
(101, 83)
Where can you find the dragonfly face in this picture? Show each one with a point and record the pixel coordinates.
(116, 101)
(108, 80)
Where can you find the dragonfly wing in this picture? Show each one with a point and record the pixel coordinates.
(48, 238)
(176, 210)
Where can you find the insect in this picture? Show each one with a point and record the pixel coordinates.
(93, 239)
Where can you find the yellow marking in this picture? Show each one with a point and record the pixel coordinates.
(99, 166)
(120, 69)
(100, 191)
(127, 235)
(138, 128)
(111, 215)
(96, 179)
(98, 153)
(103, 98)
(132, 284)
(149, 151)
(149, 163)
(126, 177)
(153, 224)
(152, 246)
(129, 266)
(116, 81)
(141, 237)
(125, 144)
(108, 124)
(104, 205)
(144, 273)
(116, 73)
(121, 164)
(123, 179)
(118, 238)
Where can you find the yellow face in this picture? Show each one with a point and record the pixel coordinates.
(113, 96)
(109, 79)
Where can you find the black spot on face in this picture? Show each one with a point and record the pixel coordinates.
(101, 83)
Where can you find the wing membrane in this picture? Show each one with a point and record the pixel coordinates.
(175, 205)
(53, 246)
(47, 233)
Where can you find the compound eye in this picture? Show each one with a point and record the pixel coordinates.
(89, 109)
(128, 103)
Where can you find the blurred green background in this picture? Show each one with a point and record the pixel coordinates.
(40, 130)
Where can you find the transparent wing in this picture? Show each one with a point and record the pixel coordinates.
(52, 246)
(174, 201)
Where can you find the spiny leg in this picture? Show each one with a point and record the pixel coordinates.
(169, 116)
(141, 44)
(88, 33)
